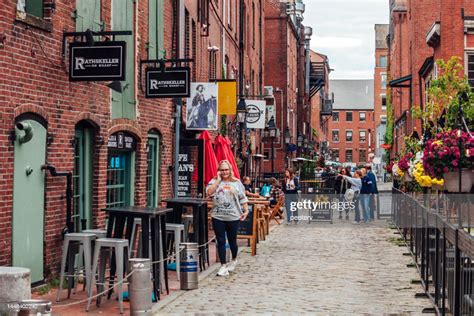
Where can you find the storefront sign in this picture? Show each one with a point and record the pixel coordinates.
(122, 141)
(105, 61)
(255, 114)
(185, 172)
(173, 82)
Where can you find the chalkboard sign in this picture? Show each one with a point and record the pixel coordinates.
(248, 229)
(321, 215)
(246, 226)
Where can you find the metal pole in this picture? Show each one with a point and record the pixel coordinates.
(177, 123)
(273, 157)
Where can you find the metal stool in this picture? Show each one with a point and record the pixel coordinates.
(121, 255)
(99, 233)
(69, 252)
(178, 230)
(188, 221)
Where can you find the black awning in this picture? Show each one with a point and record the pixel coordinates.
(397, 83)
(426, 67)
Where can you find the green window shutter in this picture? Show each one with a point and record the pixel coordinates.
(123, 104)
(87, 15)
(34, 7)
(155, 29)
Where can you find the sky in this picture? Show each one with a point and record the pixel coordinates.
(344, 31)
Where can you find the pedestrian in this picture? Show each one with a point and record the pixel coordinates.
(276, 192)
(354, 192)
(340, 187)
(365, 195)
(230, 207)
(248, 188)
(373, 191)
(291, 188)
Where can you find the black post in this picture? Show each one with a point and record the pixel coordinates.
(273, 157)
(241, 78)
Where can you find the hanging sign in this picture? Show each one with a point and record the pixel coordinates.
(105, 61)
(122, 141)
(173, 82)
(227, 97)
(255, 114)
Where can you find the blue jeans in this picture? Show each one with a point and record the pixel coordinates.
(365, 205)
(292, 197)
(221, 228)
(357, 208)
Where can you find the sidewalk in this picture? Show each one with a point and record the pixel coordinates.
(341, 269)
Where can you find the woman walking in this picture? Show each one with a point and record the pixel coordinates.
(356, 185)
(291, 195)
(230, 207)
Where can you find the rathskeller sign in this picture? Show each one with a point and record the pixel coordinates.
(104, 61)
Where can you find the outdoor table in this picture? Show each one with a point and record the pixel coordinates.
(200, 223)
(150, 217)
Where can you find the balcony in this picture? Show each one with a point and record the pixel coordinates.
(326, 108)
(317, 77)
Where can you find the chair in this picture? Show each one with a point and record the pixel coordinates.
(178, 231)
(70, 249)
(120, 246)
(276, 210)
(260, 223)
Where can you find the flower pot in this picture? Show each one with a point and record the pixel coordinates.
(407, 177)
(451, 181)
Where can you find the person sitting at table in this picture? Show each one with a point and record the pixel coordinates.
(230, 207)
(248, 188)
(276, 192)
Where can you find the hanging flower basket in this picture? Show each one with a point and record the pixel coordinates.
(407, 177)
(451, 181)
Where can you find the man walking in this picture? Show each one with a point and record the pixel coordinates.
(373, 190)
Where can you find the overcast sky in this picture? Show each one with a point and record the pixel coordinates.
(344, 31)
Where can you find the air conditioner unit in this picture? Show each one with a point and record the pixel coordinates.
(268, 91)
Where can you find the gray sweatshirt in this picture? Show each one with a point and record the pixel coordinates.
(228, 198)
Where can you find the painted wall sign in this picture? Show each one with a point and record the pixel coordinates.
(105, 61)
(255, 114)
(174, 82)
(122, 141)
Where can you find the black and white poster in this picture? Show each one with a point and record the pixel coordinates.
(201, 111)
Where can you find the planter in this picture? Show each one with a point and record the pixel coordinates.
(451, 181)
(407, 177)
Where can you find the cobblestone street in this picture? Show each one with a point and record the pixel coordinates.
(314, 268)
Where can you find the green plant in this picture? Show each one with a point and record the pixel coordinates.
(224, 125)
(390, 125)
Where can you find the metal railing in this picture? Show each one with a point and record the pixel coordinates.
(437, 229)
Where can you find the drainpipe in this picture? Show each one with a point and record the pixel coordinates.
(223, 38)
(68, 174)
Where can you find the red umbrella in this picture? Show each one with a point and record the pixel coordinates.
(210, 161)
(224, 152)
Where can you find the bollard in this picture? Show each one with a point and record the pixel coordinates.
(189, 266)
(140, 287)
(15, 284)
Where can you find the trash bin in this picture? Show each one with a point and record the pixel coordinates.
(34, 307)
(189, 266)
(140, 287)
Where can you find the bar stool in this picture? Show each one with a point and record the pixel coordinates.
(74, 239)
(188, 221)
(99, 233)
(178, 230)
(120, 246)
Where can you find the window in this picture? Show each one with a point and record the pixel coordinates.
(362, 136)
(362, 155)
(349, 116)
(212, 65)
(335, 116)
(470, 68)
(349, 136)
(229, 14)
(383, 119)
(384, 102)
(383, 61)
(152, 175)
(362, 116)
(335, 136)
(187, 40)
(335, 154)
(348, 155)
(383, 81)
(118, 179)
(34, 7)
(194, 49)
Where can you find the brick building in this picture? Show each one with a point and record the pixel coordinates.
(286, 57)
(352, 124)
(420, 33)
(117, 144)
(380, 92)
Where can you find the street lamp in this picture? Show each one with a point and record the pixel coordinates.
(287, 135)
(272, 133)
(241, 117)
(299, 140)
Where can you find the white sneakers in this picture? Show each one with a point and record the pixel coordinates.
(231, 266)
(225, 269)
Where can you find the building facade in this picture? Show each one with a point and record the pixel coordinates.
(114, 144)
(352, 124)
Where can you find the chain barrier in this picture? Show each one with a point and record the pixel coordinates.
(172, 256)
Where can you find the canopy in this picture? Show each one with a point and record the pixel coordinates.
(210, 160)
(224, 152)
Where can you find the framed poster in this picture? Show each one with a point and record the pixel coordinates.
(201, 112)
